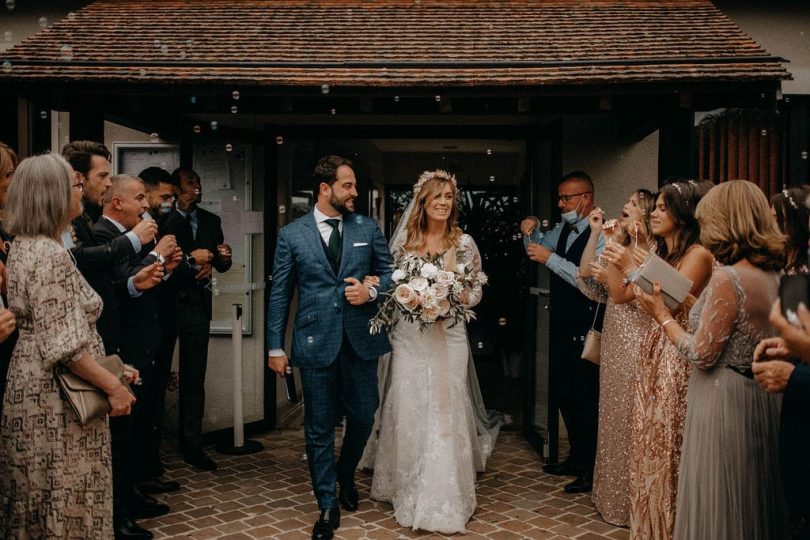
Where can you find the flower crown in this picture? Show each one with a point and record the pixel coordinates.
(786, 194)
(428, 175)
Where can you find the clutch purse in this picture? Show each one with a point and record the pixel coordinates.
(87, 400)
(592, 348)
(674, 285)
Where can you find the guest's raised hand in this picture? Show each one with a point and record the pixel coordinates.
(640, 255)
(356, 293)
(768, 349)
(796, 339)
(174, 260)
(371, 281)
(772, 376)
(202, 256)
(538, 253)
(145, 230)
(224, 251)
(595, 219)
(166, 245)
(619, 256)
(528, 225)
(598, 272)
(204, 273)
(653, 303)
(148, 276)
(8, 323)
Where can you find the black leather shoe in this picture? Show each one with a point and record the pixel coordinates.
(128, 529)
(348, 497)
(582, 484)
(328, 521)
(143, 508)
(560, 469)
(157, 485)
(198, 459)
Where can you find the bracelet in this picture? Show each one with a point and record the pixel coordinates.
(666, 322)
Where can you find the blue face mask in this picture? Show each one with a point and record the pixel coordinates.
(67, 239)
(164, 208)
(573, 217)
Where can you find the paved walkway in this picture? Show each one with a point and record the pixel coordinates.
(267, 495)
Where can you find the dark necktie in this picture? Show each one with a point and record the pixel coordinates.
(190, 226)
(334, 245)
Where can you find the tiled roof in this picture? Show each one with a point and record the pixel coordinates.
(408, 43)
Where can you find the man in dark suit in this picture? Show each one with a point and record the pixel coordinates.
(573, 382)
(782, 365)
(199, 235)
(95, 259)
(326, 254)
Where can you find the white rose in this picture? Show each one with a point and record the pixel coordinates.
(444, 307)
(439, 291)
(404, 294)
(429, 270)
(398, 275)
(483, 279)
(444, 277)
(430, 313)
(419, 284)
(427, 298)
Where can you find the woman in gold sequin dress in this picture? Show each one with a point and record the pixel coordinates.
(622, 331)
(661, 383)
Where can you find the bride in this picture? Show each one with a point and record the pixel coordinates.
(434, 433)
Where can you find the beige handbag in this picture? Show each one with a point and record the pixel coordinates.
(87, 400)
(592, 349)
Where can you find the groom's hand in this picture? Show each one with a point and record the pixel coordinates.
(278, 364)
(356, 293)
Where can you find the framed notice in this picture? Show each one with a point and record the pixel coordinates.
(132, 158)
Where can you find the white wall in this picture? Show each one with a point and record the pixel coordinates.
(617, 165)
(783, 29)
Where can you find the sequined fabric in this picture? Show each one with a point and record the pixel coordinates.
(624, 327)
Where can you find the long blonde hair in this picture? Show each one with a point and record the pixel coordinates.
(429, 185)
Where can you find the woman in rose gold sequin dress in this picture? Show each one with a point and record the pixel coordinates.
(624, 327)
(661, 383)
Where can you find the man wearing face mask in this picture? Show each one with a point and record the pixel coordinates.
(199, 235)
(573, 382)
(159, 192)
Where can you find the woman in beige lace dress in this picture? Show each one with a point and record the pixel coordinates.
(55, 477)
(729, 486)
(660, 390)
(624, 327)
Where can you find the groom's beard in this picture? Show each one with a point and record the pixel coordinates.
(339, 205)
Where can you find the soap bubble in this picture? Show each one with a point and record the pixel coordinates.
(214, 125)
(279, 140)
(396, 99)
(154, 137)
(324, 89)
(234, 109)
(43, 22)
(492, 178)
(43, 115)
(229, 147)
(804, 154)
(6, 66)
(7, 35)
(333, 111)
(10, 5)
(197, 128)
(66, 52)
(235, 95)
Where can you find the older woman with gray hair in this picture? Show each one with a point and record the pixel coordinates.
(55, 476)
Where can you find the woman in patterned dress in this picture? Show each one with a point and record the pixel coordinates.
(729, 480)
(624, 327)
(660, 386)
(55, 476)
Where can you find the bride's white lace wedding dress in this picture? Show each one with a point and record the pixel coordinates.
(431, 439)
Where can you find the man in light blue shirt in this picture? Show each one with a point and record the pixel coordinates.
(573, 382)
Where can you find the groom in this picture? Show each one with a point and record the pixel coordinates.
(326, 254)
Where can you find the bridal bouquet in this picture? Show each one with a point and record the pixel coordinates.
(423, 292)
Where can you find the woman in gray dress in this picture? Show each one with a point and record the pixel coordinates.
(55, 477)
(728, 484)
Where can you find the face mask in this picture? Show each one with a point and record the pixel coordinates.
(165, 208)
(573, 217)
(67, 239)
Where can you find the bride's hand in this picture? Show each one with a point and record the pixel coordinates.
(371, 281)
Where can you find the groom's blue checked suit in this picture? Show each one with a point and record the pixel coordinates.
(332, 345)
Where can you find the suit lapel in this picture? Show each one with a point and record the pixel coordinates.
(315, 242)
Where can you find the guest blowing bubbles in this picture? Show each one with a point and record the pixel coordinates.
(55, 475)
(737, 494)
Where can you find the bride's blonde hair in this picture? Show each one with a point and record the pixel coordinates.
(429, 185)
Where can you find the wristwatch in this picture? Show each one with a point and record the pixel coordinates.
(160, 258)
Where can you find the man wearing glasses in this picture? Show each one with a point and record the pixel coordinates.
(573, 382)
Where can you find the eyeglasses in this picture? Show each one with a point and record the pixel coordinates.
(78, 185)
(566, 198)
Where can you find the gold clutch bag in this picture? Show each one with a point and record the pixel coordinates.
(592, 348)
(87, 400)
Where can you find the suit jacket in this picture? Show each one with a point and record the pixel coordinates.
(139, 316)
(95, 259)
(324, 315)
(794, 441)
(209, 235)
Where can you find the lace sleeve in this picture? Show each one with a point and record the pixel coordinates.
(592, 289)
(716, 322)
(470, 254)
